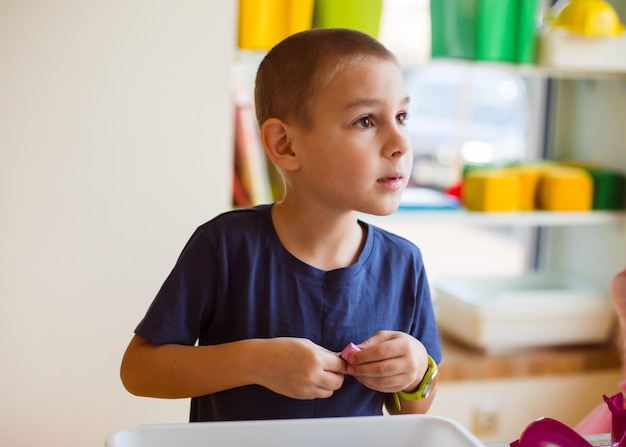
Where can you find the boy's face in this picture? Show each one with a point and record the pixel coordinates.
(356, 154)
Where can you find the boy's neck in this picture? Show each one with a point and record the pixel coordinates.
(324, 241)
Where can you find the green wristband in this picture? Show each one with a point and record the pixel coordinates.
(423, 389)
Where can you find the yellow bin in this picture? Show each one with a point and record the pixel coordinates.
(496, 190)
(264, 23)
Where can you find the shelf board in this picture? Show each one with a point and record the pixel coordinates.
(527, 218)
(252, 58)
(531, 70)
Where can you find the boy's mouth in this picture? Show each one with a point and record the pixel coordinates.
(392, 182)
(391, 178)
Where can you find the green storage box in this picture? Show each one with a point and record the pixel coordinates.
(453, 28)
(609, 189)
(528, 19)
(489, 30)
(496, 26)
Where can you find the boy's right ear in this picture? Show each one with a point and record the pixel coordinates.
(275, 137)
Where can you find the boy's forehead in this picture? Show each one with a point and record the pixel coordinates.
(346, 72)
(370, 84)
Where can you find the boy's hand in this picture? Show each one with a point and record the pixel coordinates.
(300, 369)
(389, 361)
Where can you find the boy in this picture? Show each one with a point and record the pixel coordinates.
(271, 294)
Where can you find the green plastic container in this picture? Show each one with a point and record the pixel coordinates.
(361, 15)
(453, 28)
(609, 189)
(489, 30)
(496, 30)
(526, 33)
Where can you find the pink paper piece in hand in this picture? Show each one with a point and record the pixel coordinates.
(345, 354)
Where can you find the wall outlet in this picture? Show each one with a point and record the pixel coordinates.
(486, 419)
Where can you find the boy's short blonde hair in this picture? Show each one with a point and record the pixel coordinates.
(297, 68)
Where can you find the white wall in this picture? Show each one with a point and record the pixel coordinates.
(115, 143)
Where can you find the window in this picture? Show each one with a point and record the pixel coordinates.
(464, 114)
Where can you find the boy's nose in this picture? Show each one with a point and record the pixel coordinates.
(398, 143)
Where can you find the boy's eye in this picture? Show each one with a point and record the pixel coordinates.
(402, 117)
(364, 122)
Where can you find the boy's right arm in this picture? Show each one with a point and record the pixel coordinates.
(293, 367)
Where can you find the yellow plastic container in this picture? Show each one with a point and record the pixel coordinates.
(264, 23)
(565, 189)
(609, 185)
(529, 176)
(495, 190)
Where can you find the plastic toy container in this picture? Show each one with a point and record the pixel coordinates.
(528, 18)
(494, 30)
(609, 189)
(370, 431)
(361, 15)
(453, 28)
(264, 23)
(499, 314)
(495, 40)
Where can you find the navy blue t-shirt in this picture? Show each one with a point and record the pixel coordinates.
(235, 280)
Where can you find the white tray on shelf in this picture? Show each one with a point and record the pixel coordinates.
(559, 48)
(531, 310)
(366, 431)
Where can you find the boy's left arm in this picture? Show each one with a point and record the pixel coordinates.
(393, 361)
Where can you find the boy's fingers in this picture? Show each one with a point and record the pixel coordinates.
(377, 338)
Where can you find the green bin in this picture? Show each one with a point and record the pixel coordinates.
(495, 40)
(488, 30)
(453, 28)
(609, 189)
(526, 35)
(361, 15)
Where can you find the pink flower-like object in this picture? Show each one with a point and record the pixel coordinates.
(547, 432)
(618, 419)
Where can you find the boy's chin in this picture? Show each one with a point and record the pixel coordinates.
(382, 210)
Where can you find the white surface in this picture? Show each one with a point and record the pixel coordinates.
(521, 312)
(560, 48)
(115, 143)
(372, 431)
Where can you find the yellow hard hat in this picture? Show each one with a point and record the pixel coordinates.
(595, 18)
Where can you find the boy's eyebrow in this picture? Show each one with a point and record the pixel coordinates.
(360, 102)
